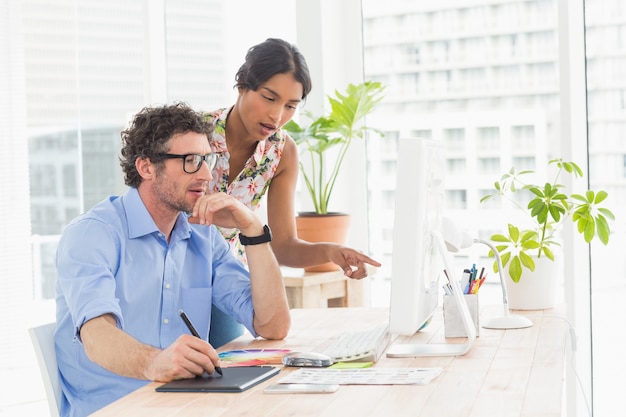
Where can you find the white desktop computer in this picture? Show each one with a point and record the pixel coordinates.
(419, 253)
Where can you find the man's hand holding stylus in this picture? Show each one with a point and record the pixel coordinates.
(187, 357)
(115, 350)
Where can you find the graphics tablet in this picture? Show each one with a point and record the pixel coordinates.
(236, 379)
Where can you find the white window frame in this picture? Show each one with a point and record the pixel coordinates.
(577, 287)
(335, 58)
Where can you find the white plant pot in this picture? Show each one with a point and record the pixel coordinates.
(535, 290)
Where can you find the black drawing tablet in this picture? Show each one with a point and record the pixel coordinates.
(235, 379)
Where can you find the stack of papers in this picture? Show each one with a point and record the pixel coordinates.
(367, 376)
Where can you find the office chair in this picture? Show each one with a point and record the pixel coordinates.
(223, 328)
(223, 331)
(43, 343)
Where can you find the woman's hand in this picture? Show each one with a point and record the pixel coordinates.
(348, 258)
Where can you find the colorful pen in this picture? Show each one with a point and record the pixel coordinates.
(195, 333)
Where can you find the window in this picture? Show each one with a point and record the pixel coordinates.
(456, 166)
(490, 204)
(606, 62)
(456, 199)
(490, 166)
(498, 91)
(454, 138)
(523, 163)
(428, 134)
(522, 138)
(488, 139)
(70, 181)
(78, 71)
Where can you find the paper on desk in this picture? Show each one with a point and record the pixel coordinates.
(366, 376)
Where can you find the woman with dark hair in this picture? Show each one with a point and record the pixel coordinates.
(259, 157)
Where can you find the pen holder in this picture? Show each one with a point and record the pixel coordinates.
(453, 324)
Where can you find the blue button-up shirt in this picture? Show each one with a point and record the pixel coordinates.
(114, 260)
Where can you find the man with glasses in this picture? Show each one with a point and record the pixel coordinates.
(126, 269)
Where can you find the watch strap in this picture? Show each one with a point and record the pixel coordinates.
(256, 240)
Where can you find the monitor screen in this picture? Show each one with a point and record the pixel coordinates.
(419, 255)
(416, 266)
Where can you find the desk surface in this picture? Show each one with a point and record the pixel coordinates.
(506, 373)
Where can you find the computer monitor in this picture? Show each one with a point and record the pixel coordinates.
(419, 254)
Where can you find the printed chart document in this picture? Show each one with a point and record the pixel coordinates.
(366, 376)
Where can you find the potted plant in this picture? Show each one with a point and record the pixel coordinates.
(549, 206)
(332, 132)
(338, 129)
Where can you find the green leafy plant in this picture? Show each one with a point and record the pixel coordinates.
(549, 208)
(339, 128)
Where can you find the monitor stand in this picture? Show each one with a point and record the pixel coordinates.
(442, 349)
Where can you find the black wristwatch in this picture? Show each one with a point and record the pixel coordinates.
(257, 240)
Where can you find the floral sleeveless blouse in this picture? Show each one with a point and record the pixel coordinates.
(253, 181)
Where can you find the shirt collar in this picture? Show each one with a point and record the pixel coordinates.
(140, 222)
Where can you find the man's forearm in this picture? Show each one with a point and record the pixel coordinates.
(271, 310)
(115, 350)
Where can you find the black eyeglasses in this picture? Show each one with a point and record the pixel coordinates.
(191, 161)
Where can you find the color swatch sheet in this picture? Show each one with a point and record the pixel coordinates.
(367, 376)
(252, 357)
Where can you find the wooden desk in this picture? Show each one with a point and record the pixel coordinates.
(507, 373)
(323, 289)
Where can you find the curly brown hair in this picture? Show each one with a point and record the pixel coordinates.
(150, 131)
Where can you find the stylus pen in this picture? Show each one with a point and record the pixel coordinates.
(195, 333)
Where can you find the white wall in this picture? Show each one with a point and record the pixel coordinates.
(15, 267)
